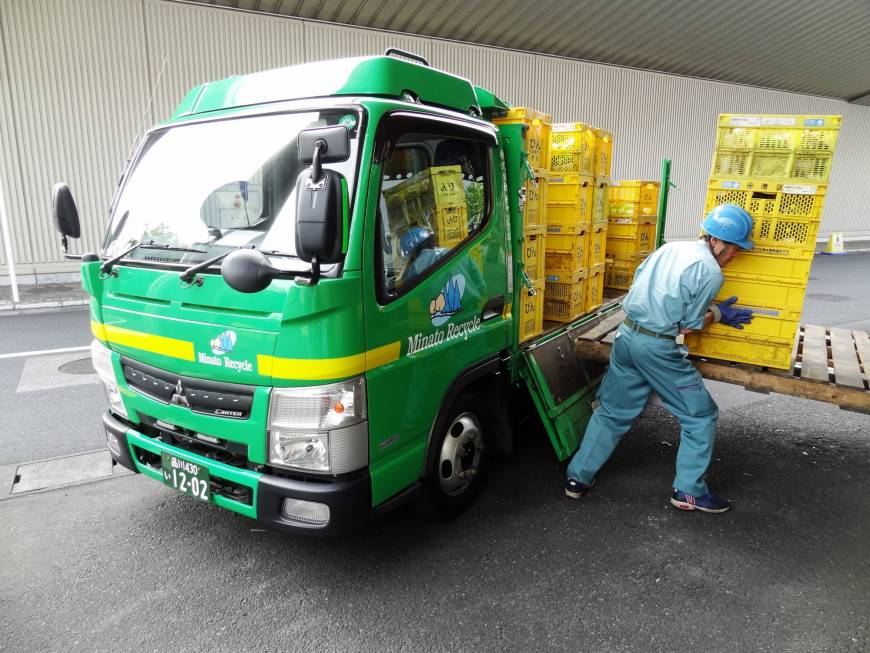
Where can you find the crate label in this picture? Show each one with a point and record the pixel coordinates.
(745, 121)
(730, 184)
(556, 180)
(814, 122)
(799, 189)
(779, 121)
(762, 311)
(615, 183)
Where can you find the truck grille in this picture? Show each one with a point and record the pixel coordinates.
(228, 400)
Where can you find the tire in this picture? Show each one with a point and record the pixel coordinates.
(461, 457)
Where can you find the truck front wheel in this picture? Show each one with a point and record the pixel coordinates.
(459, 468)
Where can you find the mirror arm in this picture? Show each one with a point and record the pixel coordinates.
(313, 277)
(315, 177)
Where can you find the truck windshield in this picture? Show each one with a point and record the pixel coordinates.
(205, 188)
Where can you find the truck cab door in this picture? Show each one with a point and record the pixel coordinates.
(436, 279)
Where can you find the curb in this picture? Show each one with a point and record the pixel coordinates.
(20, 307)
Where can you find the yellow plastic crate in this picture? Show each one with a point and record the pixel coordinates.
(619, 273)
(603, 152)
(769, 265)
(563, 292)
(438, 186)
(572, 148)
(531, 317)
(774, 297)
(632, 210)
(594, 288)
(569, 241)
(807, 134)
(564, 302)
(450, 225)
(600, 203)
(561, 263)
(533, 200)
(533, 256)
(785, 165)
(570, 189)
(536, 133)
(431, 191)
(767, 351)
(645, 192)
(627, 238)
(768, 197)
(597, 248)
(565, 276)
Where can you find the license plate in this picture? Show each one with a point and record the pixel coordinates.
(186, 477)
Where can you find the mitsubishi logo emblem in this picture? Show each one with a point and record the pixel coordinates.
(178, 396)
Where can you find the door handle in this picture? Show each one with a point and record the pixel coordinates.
(493, 308)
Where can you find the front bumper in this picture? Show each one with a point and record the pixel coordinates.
(249, 493)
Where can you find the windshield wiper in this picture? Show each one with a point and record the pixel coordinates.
(106, 268)
(190, 273)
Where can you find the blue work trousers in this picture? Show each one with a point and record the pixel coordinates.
(638, 364)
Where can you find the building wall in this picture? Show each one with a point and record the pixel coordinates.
(81, 79)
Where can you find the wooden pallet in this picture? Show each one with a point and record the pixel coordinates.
(831, 355)
(830, 365)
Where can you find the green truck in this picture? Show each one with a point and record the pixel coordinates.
(280, 331)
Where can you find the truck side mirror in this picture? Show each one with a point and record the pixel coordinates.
(321, 197)
(320, 209)
(66, 215)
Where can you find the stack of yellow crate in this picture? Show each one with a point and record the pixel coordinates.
(570, 201)
(775, 167)
(533, 206)
(600, 207)
(633, 210)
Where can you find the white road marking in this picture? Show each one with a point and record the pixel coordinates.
(42, 352)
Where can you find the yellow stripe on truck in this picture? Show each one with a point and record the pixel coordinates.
(301, 369)
(322, 369)
(145, 341)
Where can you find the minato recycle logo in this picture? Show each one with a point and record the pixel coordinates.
(224, 343)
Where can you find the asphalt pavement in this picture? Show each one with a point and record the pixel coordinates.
(123, 563)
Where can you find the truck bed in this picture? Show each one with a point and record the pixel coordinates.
(828, 364)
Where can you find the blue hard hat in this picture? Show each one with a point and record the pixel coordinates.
(730, 223)
(412, 239)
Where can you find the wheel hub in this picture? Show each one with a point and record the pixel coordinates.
(461, 453)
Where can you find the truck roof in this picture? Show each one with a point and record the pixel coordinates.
(382, 76)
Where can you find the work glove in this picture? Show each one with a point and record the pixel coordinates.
(732, 316)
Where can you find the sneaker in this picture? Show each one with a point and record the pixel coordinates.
(706, 503)
(576, 489)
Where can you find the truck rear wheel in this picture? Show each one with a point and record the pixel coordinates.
(459, 467)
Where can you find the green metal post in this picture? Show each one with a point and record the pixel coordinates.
(663, 202)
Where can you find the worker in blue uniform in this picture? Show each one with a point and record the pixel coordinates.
(672, 294)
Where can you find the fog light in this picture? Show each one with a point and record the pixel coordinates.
(113, 443)
(306, 512)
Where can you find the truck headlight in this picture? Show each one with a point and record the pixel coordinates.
(319, 428)
(101, 357)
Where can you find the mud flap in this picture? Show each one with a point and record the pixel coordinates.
(563, 389)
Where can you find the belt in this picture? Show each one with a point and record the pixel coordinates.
(634, 326)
